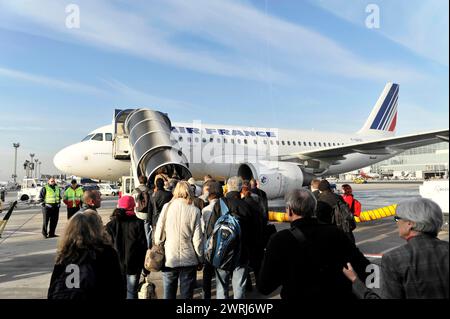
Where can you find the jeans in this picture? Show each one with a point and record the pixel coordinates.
(132, 286)
(148, 232)
(187, 277)
(239, 282)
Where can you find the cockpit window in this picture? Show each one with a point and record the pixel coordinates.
(98, 137)
(108, 137)
(87, 138)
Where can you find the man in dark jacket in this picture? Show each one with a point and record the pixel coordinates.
(240, 209)
(326, 202)
(158, 199)
(50, 198)
(263, 200)
(307, 260)
(128, 237)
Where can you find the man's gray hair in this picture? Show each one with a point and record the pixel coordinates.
(302, 202)
(234, 184)
(426, 214)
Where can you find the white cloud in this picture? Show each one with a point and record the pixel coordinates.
(229, 38)
(47, 81)
(421, 26)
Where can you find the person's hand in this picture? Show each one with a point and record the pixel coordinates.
(350, 273)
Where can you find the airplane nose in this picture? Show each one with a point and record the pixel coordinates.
(60, 160)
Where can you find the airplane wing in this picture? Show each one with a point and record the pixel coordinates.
(384, 146)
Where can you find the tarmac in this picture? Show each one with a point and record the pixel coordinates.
(27, 259)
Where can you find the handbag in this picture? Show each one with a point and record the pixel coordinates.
(155, 256)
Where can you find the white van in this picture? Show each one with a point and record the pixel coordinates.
(108, 190)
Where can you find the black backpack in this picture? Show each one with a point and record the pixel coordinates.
(62, 283)
(343, 217)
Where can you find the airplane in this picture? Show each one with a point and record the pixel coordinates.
(280, 159)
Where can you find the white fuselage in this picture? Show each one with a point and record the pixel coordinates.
(212, 149)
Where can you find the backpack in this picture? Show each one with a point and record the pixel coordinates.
(88, 282)
(223, 248)
(343, 217)
(142, 200)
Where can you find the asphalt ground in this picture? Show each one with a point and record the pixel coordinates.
(27, 259)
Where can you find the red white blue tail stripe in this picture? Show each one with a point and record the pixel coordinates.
(386, 118)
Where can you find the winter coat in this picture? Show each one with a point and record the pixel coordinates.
(130, 242)
(184, 237)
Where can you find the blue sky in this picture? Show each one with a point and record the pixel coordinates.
(294, 64)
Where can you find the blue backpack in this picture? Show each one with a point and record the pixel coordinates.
(223, 248)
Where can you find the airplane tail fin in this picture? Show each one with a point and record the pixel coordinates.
(382, 120)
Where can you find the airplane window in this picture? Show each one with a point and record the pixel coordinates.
(278, 142)
(310, 144)
(315, 144)
(87, 138)
(98, 137)
(108, 137)
(294, 143)
(265, 142)
(204, 140)
(282, 142)
(271, 142)
(334, 144)
(245, 141)
(225, 140)
(320, 144)
(211, 140)
(289, 143)
(189, 139)
(239, 141)
(304, 143)
(197, 140)
(329, 144)
(232, 141)
(218, 140)
(180, 138)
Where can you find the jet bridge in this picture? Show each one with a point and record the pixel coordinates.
(144, 137)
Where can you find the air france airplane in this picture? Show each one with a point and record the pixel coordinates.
(280, 159)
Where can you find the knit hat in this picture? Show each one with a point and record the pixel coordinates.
(128, 204)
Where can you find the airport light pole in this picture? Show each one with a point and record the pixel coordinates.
(39, 169)
(31, 166)
(35, 168)
(16, 146)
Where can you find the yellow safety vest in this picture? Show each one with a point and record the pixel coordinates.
(74, 195)
(52, 196)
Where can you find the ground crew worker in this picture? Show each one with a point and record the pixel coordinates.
(50, 197)
(73, 198)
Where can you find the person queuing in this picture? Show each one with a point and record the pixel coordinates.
(143, 206)
(50, 198)
(353, 204)
(158, 199)
(86, 248)
(240, 209)
(180, 221)
(307, 259)
(92, 199)
(128, 238)
(215, 192)
(420, 268)
(73, 198)
(315, 188)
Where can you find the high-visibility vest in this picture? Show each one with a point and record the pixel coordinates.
(74, 196)
(52, 196)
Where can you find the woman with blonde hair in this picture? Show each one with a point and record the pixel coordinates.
(179, 228)
(87, 266)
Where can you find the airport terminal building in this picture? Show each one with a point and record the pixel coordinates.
(423, 162)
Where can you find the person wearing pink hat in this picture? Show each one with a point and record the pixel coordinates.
(128, 237)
